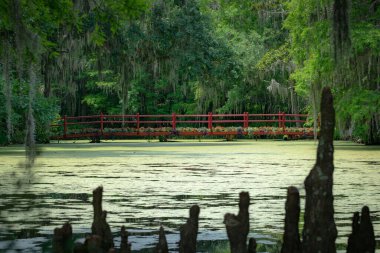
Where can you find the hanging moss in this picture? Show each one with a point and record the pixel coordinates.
(341, 31)
(7, 88)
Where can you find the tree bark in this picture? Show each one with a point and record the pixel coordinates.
(291, 238)
(125, 246)
(62, 239)
(100, 226)
(189, 232)
(238, 226)
(7, 90)
(162, 245)
(319, 231)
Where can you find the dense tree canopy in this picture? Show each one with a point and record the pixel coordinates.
(71, 57)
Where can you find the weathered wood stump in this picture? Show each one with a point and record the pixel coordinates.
(125, 246)
(162, 245)
(100, 226)
(362, 238)
(291, 239)
(189, 232)
(238, 226)
(319, 231)
(62, 239)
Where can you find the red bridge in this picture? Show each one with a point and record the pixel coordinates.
(111, 126)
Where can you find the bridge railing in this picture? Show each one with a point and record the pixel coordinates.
(101, 123)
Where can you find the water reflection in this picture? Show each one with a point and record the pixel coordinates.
(149, 184)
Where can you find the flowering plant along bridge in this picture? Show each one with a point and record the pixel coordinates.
(137, 125)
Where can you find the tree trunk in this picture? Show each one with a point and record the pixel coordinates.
(373, 132)
(7, 89)
(30, 141)
(46, 68)
(319, 232)
(315, 100)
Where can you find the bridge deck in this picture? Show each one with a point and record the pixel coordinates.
(118, 126)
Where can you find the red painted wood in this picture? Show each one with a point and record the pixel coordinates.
(104, 123)
(246, 122)
(210, 121)
(173, 121)
(101, 122)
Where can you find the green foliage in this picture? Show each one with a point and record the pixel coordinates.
(357, 106)
(45, 111)
(194, 56)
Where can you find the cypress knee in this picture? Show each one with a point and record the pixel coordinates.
(189, 232)
(291, 239)
(353, 238)
(366, 233)
(100, 226)
(238, 226)
(162, 245)
(93, 244)
(125, 246)
(362, 238)
(62, 239)
(252, 245)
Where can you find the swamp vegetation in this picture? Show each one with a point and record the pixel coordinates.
(71, 57)
(83, 57)
(138, 194)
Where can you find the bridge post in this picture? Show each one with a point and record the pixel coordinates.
(210, 121)
(283, 122)
(173, 120)
(64, 126)
(246, 120)
(101, 123)
(279, 119)
(138, 122)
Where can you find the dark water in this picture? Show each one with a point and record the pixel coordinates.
(151, 184)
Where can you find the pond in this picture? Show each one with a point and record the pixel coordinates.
(148, 184)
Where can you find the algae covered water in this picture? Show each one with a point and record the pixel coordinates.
(148, 184)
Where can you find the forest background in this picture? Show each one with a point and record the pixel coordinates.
(82, 57)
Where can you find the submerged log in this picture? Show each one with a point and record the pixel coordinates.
(125, 246)
(162, 245)
(319, 231)
(62, 239)
(189, 232)
(238, 226)
(291, 240)
(362, 238)
(100, 226)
